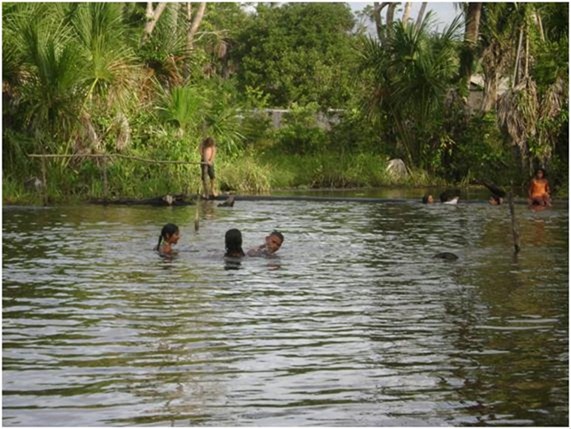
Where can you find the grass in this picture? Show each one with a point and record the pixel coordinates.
(245, 173)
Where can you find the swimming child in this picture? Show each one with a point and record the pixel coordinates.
(539, 191)
(450, 196)
(427, 199)
(233, 241)
(273, 243)
(169, 236)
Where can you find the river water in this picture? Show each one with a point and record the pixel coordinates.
(354, 324)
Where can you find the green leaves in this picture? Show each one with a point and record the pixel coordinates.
(299, 52)
(411, 74)
(99, 31)
(183, 107)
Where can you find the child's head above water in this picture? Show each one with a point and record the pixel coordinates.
(169, 234)
(274, 241)
(427, 199)
(233, 242)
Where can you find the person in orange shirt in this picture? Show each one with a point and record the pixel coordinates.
(539, 191)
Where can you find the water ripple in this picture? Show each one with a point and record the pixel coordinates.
(354, 324)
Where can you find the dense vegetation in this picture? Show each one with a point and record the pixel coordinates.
(152, 80)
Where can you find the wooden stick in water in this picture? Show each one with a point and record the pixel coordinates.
(515, 231)
(45, 181)
(197, 213)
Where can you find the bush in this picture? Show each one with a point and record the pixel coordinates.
(475, 151)
(243, 175)
(300, 133)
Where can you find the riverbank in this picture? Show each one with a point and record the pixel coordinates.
(246, 174)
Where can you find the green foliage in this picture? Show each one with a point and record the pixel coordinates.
(552, 62)
(331, 170)
(300, 133)
(205, 110)
(410, 73)
(244, 174)
(477, 151)
(163, 51)
(53, 93)
(355, 132)
(109, 61)
(183, 107)
(299, 52)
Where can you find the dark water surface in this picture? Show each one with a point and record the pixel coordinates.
(355, 324)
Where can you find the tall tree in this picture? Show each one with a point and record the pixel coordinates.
(411, 73)
(499, 29)
(152, 15)
(529, 112)
(192, 23)
(472, 13)
(299, 52)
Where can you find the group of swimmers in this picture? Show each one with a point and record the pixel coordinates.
(539, 192)
(170, 234)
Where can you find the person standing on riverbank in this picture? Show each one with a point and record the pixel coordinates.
(207, 151)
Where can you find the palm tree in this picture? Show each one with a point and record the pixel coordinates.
(411, 71)
(499, 29)
(49, 73)
(472, 12)
(527, 112)
(111, 70)
(110, 73)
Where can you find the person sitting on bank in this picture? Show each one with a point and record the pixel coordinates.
(207, 154)
(539, 192)
(273, 243)
(170, 235)
(233, 242)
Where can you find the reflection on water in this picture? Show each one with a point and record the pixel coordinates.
(355, 324)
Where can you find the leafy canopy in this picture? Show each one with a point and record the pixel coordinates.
(299, 52)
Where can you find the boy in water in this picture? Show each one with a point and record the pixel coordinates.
(207, 154)
(273, 243)
(539, 191)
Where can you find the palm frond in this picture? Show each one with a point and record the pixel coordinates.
(110, 70)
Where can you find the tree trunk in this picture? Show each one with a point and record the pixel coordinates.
(152, 16)
(473, 23)
(490, 90)
(493, 60)
(420, 15)
(192, 27)
(173, 15)
(193, 24)
(472, 28)
(516, 67)
(539, 25)
(377, 9)
(406, 13)
(391, 14)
